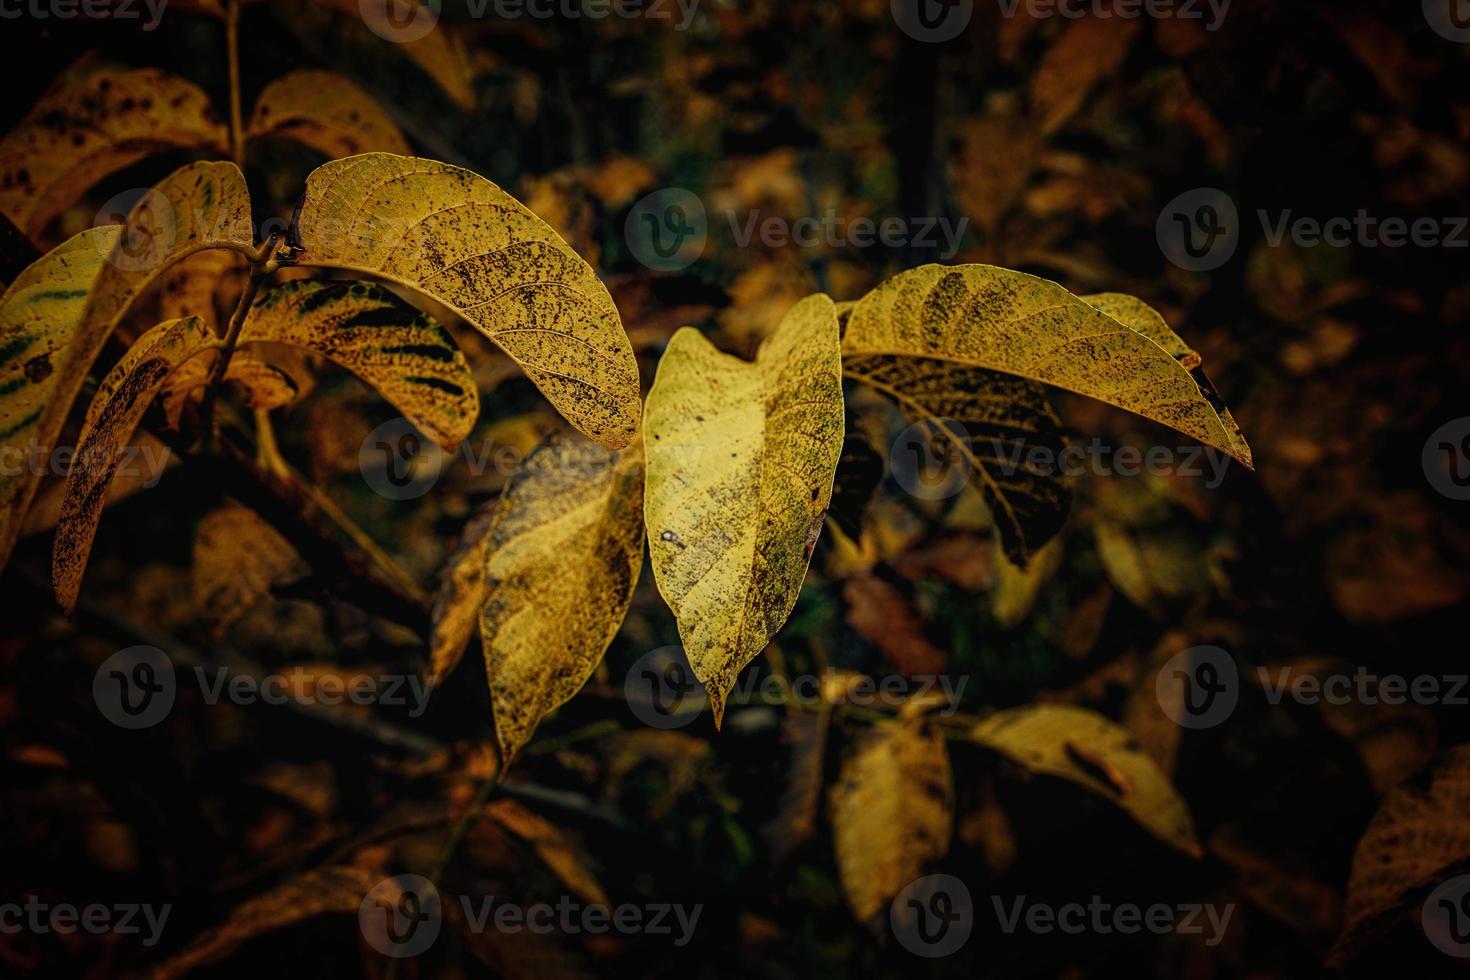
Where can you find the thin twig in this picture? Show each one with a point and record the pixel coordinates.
(232, 45)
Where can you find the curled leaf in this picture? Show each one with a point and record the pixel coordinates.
(408, 357)
(95, 126)
(741, 460)
(122, 398)
(456, 238)
(986, 317)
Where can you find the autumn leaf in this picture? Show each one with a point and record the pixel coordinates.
(439, 52)
(987, 317)
(1001, 418)
(257, 383)
(122, 398)
(409, 358)
(39, 317)
(322, 891)
(556, 848)
(564, 557)
(456, 238)
(741, 460)
(238, 557)
(461, 593)
(892, 809)
(1088, 50)
(1085, 748)
(326, 112)
(94, 126)
(1417, 840)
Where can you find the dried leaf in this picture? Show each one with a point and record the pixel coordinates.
(883, 616)
(94, 126)
(1085, 748)
(1418, 839)
(456, 238)
(741, 459)
(409, 358)
(564, 557)
(238, 557)
(440, 51)
(122, 398)
(322, 891)
(892, 810)
(1088, 51)
(462, 591)
(554, 846)
(326, 112)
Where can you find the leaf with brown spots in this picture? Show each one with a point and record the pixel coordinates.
(892, 812)
(986, 317)
(462, 242)
(326, 112)
(741, 460)
(564, 555)
(95, 126)
(122, 398)
(440, 52)
(407, 356)
(1085, 748)
(39, 317)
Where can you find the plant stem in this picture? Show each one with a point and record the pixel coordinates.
(232, 45)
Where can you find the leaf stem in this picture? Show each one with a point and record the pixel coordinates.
(232, 45)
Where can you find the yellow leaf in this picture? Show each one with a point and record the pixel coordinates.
(1137, 315)
(741, 459)
(564, 556)
(94, 126)
(456, 238)
(1417, 840)
(326, 112)
(39, 317)
(205, 284)
(1085, 748)
(406, 355)
(987, 317)
(892, 811)
(1017, 587)
(238, 557)
(122, 398)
